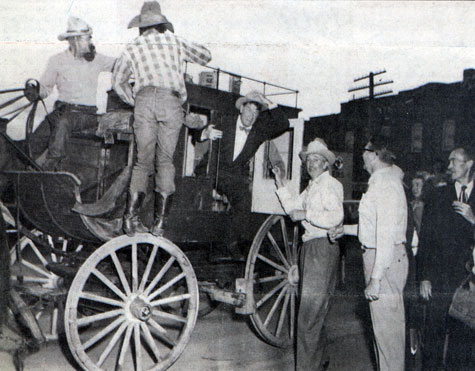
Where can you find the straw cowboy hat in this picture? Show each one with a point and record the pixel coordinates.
(253, 96)
(76, 27)
(150, 15)
(318, 146)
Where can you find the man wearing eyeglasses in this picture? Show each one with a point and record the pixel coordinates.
(444, 249)
(381, 230)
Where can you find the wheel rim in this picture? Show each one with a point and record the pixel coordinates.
(145, 310)
(272, 266)
(41, 289)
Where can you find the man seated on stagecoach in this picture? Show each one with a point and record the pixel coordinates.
(75, 73)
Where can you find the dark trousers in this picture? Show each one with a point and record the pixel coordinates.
(236, 189)
(461, 339)
(318, 272)
(65, 119)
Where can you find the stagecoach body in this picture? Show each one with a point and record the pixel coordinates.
(132, 302)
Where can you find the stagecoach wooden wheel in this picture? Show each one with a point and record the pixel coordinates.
(272, 266)
(42, 290)
(142, 298)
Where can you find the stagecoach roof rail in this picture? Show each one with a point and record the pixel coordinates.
(265, 83)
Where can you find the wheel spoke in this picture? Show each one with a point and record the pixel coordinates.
(37, 252)
(295, 242)
(150, 341)
(31, 279)
(161, 332)
(120, 272)
(99, 317)
(166, 286)
(277, 277)
(170, 299)
(273, 264)
(282, 315)
(135, 268)
(101, 299)
(292, 315)
(285, 237)
(151, 259)
(109, 284)
(54, 322)
(51, 243)
(79, 248)
(159, 275)
(173, 317)
(35, 268)
(103, 332)
(138, 347)
(125, 346)
(277, 250)
(270, 293)
(111, 344)
(275, 305)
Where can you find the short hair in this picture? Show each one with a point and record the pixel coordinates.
(469, 155)
(161, 28)
(381, 145)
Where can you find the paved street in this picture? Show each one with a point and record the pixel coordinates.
(225, 341)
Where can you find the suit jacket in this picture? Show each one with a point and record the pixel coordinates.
(445, 240)
(269, 125)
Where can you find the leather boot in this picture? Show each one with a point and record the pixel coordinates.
(162, 209)
(132, 223)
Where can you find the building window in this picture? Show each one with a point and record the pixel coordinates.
(448, 135)
(416, 138)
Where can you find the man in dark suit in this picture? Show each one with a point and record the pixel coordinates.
(444, 249)
(241, 133)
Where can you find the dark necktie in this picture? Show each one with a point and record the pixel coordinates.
(463, 195)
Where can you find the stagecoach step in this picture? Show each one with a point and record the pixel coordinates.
(233, 298)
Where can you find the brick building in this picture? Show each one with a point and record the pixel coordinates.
(426, 123)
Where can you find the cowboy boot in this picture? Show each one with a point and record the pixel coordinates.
(132, 223)
(162, 209)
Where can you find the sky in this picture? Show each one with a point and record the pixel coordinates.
(316, 47)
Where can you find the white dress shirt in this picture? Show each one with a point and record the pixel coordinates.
(468, 190)
(322, 202)
(383, 216)
(240, 138)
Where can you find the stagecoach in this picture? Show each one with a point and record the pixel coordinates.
(132, 302)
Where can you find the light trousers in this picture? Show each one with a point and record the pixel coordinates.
(387, 313)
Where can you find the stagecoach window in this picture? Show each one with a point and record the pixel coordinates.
(196, 152)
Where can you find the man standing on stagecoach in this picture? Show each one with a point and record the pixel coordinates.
(75, 74)
(155, 61)
(319, 207)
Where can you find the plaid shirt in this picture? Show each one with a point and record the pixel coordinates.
(156, 59)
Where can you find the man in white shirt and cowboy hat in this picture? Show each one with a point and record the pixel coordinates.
(319, 207)
(155, 60)
(75, 73)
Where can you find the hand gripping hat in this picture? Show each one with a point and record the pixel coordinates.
(150, 15)
(76, 27)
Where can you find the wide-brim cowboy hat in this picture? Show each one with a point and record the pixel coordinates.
(318, 146)
(76, 27)
(150, 15)
(253, 96)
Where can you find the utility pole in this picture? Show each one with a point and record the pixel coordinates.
(371, 85)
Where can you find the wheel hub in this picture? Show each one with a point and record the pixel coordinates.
(293, 275)
(140, 309)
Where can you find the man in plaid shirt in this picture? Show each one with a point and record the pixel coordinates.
(154, 61)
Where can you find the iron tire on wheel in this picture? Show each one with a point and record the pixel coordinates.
(148, 303)
(272, 267)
